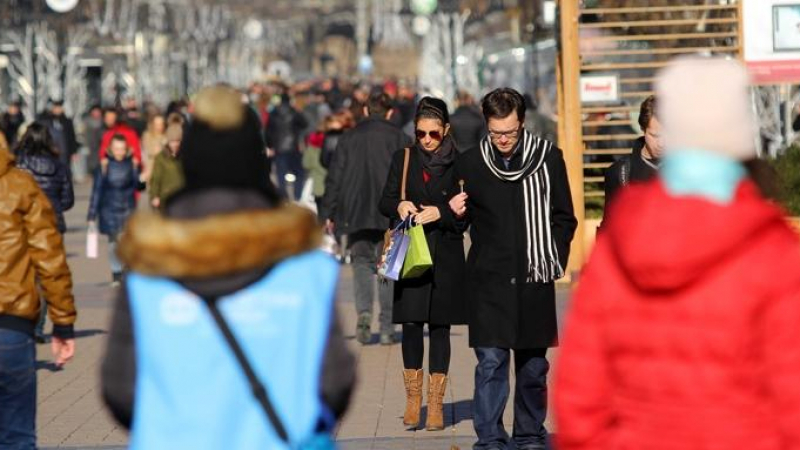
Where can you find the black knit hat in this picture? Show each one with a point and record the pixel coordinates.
(222, 147)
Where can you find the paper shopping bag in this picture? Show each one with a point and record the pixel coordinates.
(394, 253)
(418, 259)
(92, 243)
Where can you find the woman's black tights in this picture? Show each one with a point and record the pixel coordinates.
(413, 347)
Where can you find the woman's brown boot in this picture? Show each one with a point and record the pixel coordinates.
(413, 379)
(437, 383)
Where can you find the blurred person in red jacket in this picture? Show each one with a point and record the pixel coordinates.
(116, 125)
(684, 330)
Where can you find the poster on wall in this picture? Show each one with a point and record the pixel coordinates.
(771, 30)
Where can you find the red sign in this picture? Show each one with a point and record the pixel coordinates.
(774, 72)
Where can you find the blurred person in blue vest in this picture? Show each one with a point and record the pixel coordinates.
(226, 253)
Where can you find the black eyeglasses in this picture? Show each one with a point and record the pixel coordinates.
(435, 135)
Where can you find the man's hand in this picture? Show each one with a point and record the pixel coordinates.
(405, 208)
(458, 204)
(428, 214)
(63, 350)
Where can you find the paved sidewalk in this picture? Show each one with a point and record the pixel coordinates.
(71, 414)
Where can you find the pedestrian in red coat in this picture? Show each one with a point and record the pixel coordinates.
(121, 128)
(684, 331)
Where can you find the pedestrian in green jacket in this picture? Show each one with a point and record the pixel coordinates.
(167, 177)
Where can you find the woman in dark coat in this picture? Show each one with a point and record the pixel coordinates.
(114, 197)
(36, 153)
(434, 298)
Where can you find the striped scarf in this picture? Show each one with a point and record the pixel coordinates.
(543, 262)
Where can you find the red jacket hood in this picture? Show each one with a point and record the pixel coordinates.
(665, 243)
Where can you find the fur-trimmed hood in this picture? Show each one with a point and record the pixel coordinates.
(216, 245)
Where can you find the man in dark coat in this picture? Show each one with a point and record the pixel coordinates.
(519, 205)
(284, 129)
(356, 177)
(10, 122)
(643, 162)
(63, 132)
(467, 126)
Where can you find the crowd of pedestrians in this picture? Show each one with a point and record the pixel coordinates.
(208, 207)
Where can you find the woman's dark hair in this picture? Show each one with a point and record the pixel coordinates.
(36, 141)
(432, 108)
(647, 111)
(502, 102)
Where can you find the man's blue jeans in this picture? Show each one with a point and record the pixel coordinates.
(17, 391)
(491, 394)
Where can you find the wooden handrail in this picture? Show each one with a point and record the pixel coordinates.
(593, 179)
(664, 51)
(592, 109)
(652, 9)
(603, 123)
(604, 165)
(625, 66)
(607, 151)
(636, 80)
(656, 23)
(609, 137)
(594, 194)
(661, 37)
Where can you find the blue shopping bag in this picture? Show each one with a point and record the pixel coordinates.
(395, 247)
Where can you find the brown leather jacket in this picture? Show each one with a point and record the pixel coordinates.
(31, 249)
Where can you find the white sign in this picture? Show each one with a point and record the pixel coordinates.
(772, 40)
(599, 88)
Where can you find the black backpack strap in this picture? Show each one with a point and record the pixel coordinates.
(259, 391)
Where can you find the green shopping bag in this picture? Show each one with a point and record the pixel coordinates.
(418, 258)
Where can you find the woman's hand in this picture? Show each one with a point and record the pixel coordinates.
(458, 204)
(406, 208)
(428, 214)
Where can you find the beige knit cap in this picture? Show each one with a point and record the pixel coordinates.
(704, 104)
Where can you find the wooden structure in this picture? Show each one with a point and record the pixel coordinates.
(631, 43)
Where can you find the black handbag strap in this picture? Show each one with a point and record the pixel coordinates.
(259, 391)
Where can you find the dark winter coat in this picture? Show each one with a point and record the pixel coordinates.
(63, 132)
(504, 310)
(357, 174)
(52, 176)
(284, 129)
(226, 210)
(329, 147)
(10, 124)
(467, 127)
(438, 296)
(113, 194)
(628, 169)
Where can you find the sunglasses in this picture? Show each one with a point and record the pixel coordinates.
(435, 135)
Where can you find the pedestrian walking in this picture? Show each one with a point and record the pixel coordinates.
(62, 131)
(154, 140)
(93, 136)
(241, 300)
(357, 174)
(642, 164)
(517, 200)
(116, 125)
(687, 317)
(37, 155)
(113, 197)
(11, 121)
(436, 298)
(167, 176)
(468, 124)
(32, 257)
(283, 135)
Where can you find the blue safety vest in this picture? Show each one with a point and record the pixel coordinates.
(191, 392)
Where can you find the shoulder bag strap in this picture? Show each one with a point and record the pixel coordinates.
(259, 391)
(405, 175)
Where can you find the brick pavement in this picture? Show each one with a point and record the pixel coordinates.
(71, 414)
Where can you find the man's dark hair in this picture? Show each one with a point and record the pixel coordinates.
(647, 112)
(119, 137)
(502, 102)
(379, 104)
